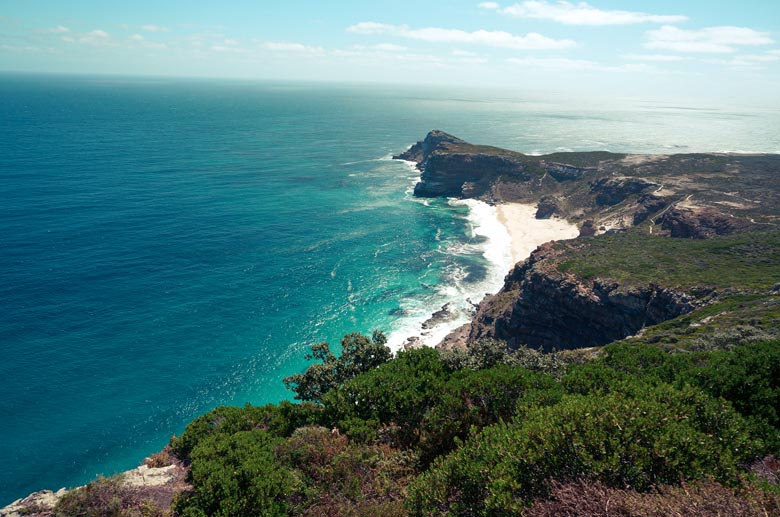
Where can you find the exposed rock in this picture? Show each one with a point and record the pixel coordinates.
(700, 223)
(458, 338)
(564, 171)
(40, 504)
(548, 206)
(446, 174)
(420, 151)
(588, 229)
(648, 204)
(540, 306)
(611, 191)
(442, 315)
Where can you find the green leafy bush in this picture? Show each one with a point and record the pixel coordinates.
(474, 399)
(279, 420)
(358, 354)
(657, 435)
(236, 475)
(398, 392)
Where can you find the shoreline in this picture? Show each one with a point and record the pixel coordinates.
(527, 232)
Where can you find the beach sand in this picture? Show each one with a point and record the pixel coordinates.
(527, 232)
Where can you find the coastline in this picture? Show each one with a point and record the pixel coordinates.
(527, 232)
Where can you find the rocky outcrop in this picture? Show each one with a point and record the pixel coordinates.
(611, 191)
(647, 205)
(548, 206)
(564, 171)
(455, 174)
(540, 306)
(435, 140)
(700, 223)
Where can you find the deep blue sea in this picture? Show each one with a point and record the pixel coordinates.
(167, 246)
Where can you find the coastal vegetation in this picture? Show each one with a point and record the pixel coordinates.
(489, 433)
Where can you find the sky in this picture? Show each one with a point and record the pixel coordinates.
(714, 49)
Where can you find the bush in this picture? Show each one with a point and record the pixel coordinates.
(336, 477)
(236, 475)
(474, 399)
(397, 393)
(279, 420)
(655, 435)
(358, 354)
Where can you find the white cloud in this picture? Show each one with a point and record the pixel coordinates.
(708, 40)
(531, 41)
(463, 53)
(300, 48)
(555, 63)
(97, 37)
(146, 43)
(584, 14)
(372, 28)
(488, 5)
(59, 29)
(654, 57)
(382, 47)
(573, 65)
(774, 52)
(389, 47)
(154, 28)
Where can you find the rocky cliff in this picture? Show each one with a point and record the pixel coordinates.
(543, 307)
(687, 195)
(545, 304)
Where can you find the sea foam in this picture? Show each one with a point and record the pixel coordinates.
(458, 293)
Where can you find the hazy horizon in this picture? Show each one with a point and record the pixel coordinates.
(667, 50)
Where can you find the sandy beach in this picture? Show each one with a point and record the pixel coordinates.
(527, 232)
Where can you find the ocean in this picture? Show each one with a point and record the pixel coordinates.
(171, 245)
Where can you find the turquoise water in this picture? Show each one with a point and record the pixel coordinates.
(167, 246)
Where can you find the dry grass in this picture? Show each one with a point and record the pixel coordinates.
(705, 498)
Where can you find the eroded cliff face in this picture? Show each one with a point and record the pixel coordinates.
(692, 195)
(540, 306)
(467, 175)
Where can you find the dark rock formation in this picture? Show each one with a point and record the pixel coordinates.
(648, 204)
(548, 206)
(564, 171)
(700, 223)
(611, 191)
(540, 306)
(420, 151)
(446, 174)
(588, 229)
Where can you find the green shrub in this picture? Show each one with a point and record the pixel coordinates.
(398, 392)
(474, 399)
(279, 420)
(656, 435)
(358, 354)
(236, 475)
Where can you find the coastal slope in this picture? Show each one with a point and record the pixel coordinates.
(652, 216)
